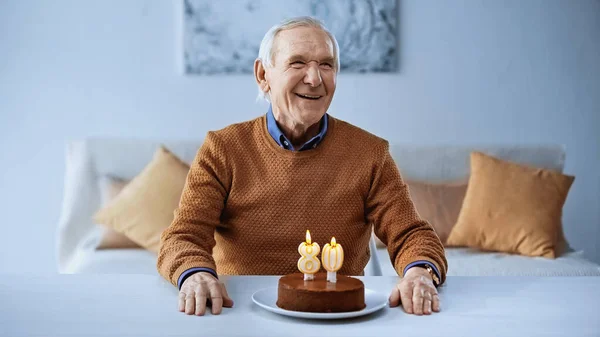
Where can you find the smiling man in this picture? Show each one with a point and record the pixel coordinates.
(255, 187)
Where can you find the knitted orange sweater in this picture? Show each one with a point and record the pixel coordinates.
(247, 204)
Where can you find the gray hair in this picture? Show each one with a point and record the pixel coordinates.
(265, 53)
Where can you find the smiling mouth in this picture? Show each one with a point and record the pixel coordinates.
(310, 97)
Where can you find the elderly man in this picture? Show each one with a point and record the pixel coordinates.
(255, 187)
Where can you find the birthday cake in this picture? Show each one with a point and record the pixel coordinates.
(320, 295)
(312, 291)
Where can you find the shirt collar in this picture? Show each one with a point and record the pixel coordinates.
(285, 143)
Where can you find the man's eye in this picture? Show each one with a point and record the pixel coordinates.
(327, 65)
(297, 64)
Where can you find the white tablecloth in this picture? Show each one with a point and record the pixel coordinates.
(146, 305)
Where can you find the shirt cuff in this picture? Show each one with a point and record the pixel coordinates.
(192, 271)
(422, 262)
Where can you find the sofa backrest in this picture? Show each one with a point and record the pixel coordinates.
(440, 163)
(126, 158)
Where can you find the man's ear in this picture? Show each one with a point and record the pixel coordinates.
(260, 75)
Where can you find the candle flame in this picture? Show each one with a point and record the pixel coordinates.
(333, 243)
(308, 241)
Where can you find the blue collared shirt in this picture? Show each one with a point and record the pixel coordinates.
(285, 143)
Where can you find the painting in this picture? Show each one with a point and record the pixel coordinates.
(223, 37)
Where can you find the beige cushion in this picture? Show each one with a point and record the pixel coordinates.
(511, 208)
(110, 187)
(438, 203)
(144, 208)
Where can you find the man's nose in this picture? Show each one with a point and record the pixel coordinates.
(313, 75)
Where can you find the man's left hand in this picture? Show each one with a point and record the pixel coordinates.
(416, 292)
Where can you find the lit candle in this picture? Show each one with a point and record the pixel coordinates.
(332, 258)
(309, 263)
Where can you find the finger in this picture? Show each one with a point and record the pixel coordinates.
(417, 298)
(436, 305)
(201, 294)
(394, 297)
(216, 298)
(189, 302)
(181, 301)
(406, 299)
(227, 301)
(427, 305)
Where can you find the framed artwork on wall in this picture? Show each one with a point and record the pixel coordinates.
(223, 37)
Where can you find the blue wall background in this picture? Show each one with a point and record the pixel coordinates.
(510, 71)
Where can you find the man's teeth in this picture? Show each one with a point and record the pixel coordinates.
(309, 96)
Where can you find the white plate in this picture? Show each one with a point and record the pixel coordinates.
(267, 298)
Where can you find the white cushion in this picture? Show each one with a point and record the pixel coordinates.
(472, 262)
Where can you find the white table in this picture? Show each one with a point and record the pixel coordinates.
(142, 305)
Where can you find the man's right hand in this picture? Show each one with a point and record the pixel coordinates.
(199, 288)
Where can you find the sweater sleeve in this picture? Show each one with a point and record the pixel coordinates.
(396, 222)
(189, 240)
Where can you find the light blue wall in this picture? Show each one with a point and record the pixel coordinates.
(470, 72)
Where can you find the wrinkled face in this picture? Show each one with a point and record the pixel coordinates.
(302, 77)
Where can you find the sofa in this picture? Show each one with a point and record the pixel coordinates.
(88, 160)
